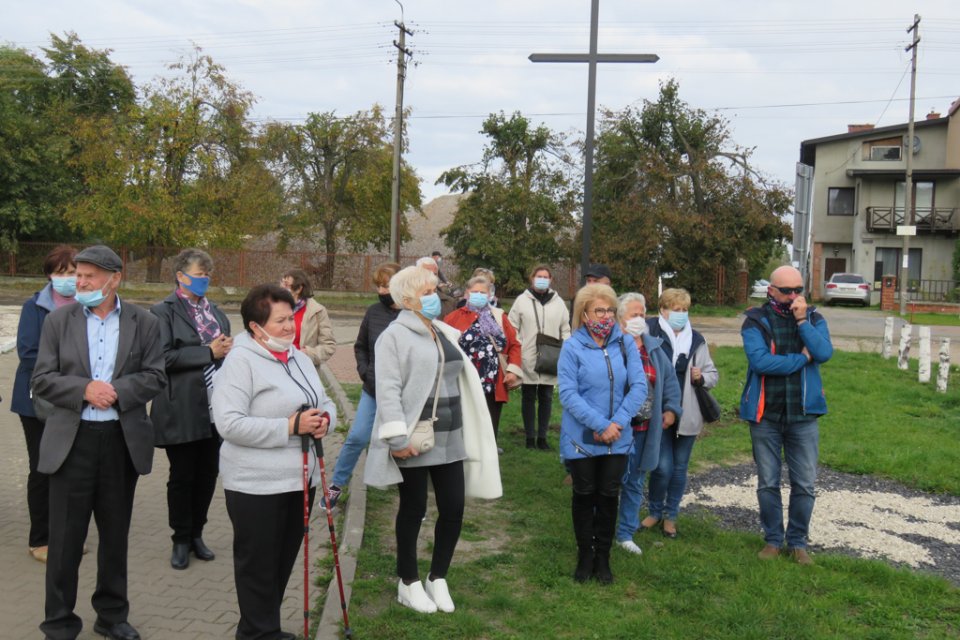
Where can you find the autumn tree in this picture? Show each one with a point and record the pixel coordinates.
(336, 176)
(674, 194)
(519, 205)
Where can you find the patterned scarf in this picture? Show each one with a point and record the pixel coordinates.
(203, 319)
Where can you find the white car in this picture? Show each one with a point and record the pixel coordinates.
(851, 287)
(759, 289)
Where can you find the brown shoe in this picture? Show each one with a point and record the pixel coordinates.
(39, 553)
(801, 556)
(649, 523)
(769, 552)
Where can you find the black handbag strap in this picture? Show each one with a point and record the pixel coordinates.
(540, 329)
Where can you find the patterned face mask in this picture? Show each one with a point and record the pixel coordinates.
(781, 308)
(600, 328)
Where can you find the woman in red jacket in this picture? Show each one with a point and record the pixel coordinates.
(489, 340)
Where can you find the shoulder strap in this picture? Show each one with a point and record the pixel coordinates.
(536, 315)
(436, 389)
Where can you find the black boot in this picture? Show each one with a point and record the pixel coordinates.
(584, 564)
(582, 509)
(604, 527)
(201, 550)
(601, 567)
(180, 558)
(531, 443)
(542, 444)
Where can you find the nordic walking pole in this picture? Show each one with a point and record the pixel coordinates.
(305, 447)
(333, 537)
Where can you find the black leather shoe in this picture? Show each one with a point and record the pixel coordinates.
(201, 550)
(119, 631)
(180, 558)
(285, 635)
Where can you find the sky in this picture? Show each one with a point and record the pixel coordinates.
(780, 72)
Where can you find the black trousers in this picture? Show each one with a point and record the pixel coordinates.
(448, 486)
(193, 480)
(267, 533)
(596, 493)
(96, 478)
(536, 404)
(38, 484)
(494, 408)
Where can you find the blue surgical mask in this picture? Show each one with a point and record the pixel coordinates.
(430, 306)
(91, 299)
(677, 320)
(541, 284)
(64, 285)
(477, 300)
(198, 284)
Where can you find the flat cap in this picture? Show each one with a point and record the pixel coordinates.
(101, 256)
(599, 271)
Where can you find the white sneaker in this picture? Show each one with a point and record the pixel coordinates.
(630, 545)
(415, 597)
(439, 593)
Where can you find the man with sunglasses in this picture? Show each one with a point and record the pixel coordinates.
(785, 342)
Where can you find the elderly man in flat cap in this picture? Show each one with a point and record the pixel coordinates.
(99, 364)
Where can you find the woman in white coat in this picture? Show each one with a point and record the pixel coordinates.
(539, 309)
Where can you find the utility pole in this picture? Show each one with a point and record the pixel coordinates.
(402, 54)
(908, 186)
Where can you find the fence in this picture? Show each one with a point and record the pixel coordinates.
(933, 291)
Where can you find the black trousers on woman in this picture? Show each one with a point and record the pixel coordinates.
(596, 493)
(193, 480)
(448, 486)
(536, 404)
(38, 484)
(267, 533)
(495, 409)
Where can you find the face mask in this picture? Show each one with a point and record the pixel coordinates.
(430, 306)
(91, 299)
(477, 300)
(198, 285)
(600, 328)
(280, 345)
(677, 320)
(386, 299)
(64, 285)
(541, 284)
(636, 326)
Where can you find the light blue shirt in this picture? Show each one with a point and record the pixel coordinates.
(103, 339)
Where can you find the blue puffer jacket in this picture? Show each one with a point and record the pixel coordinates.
(592, 383)
(763, 360)
(32, 315)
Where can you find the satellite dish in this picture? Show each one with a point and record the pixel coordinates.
(916, 144)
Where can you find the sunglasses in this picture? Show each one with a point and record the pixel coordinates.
(788, 290)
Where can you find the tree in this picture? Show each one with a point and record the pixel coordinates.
(519, 205)
(336, 174)
(675, 194)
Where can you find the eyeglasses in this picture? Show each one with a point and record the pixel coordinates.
(788, 290)
(600, 311)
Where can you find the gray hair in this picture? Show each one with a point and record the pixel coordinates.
(427, 261)
(479, 280)
(189, 257)
(408, 282)
(626, 299)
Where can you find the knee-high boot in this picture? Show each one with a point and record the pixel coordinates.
(604, 527)
(583, 516)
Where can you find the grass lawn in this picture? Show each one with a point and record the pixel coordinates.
(511, 575)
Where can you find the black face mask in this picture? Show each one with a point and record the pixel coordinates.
(386, 299)
(781, 308)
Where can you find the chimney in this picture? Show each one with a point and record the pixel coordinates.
(857, 128)
(933, 115)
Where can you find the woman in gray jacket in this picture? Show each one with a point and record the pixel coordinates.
(266, 397)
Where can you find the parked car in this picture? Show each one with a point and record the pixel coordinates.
(759, 289)
(851, 287)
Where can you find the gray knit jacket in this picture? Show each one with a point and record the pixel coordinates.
(254, 394)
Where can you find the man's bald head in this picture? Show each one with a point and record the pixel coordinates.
(786, 276)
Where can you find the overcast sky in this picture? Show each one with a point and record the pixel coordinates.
(781, 72)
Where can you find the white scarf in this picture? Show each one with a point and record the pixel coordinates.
(681, 342)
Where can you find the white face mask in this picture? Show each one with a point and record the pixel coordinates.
(280, 345)
(636, 326)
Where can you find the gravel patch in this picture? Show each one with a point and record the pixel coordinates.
(860, 516)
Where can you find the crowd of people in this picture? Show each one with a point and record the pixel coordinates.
(436, 368)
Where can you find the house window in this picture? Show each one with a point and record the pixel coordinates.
(888, 263)
(886, 149)
(840, 201)
(923, 202)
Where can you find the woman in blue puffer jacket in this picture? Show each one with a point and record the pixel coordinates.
(602, 386)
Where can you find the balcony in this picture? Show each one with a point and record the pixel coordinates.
(929, 220)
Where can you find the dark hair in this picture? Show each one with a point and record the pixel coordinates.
(61, 256)
(436, 253)
(300, 281)
(257, 305)
(383, 273)
(540, 267)
(189, 257)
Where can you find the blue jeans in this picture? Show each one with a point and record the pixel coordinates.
(631, 491)
(669, 480)
(357, 440)
(799, 442)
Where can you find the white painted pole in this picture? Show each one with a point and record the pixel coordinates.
(887, 350)
(923, 371)
(943, 371)
(903, 360)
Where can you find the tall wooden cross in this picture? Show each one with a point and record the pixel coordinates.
(591, 58)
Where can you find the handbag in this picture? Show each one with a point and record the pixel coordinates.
(709, 407)
(548, 349)
(502, 358)
(423, 438)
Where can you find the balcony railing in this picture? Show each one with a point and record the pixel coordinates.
(927, 219)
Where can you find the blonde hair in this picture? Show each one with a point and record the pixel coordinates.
(478, 280)
(409, 282)
(483, 272)
(383, 273)
(671, 298)
(588, 294)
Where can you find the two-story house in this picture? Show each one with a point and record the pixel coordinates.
(858, 201)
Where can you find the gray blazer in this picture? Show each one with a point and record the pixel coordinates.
(63, 372)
